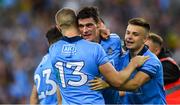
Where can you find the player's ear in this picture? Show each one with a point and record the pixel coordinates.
(146, 37)
(158, 50)
(99, 24)
(58, 27)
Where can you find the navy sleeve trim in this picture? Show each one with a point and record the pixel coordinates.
(147, 72)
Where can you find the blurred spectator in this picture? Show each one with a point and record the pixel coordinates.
(176, 54)
(6, 79)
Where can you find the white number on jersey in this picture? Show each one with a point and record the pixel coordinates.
(77, 71)
(48, 81)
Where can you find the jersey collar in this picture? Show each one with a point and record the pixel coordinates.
(145, 48)
(72, 39)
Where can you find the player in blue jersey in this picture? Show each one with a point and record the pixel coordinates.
(111, 43)
(45, 90)
(146, 82)
(93, 28)
(79, 61)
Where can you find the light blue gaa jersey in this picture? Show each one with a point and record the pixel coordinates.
(77, 61)
(45, 81)
(113, 48)
(151, 92)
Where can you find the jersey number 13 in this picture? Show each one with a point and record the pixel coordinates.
(77, 71)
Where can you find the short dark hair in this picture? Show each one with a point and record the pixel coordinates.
(89, 12)
(53, 35)
(102, 20)
(140, 22)
(155, 39)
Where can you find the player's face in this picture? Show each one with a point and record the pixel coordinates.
(88, 28)
(135, 37)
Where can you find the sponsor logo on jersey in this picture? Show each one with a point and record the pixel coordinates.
(110, 51)
(69, 49)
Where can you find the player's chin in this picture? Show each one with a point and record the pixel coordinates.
(89, 38)
(129, 47)
(86, 37)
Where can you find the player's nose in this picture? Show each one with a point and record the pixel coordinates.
(85, 29)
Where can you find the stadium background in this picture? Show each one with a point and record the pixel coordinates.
(23, 24)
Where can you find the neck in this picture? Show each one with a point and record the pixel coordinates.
(97, 40)
(134, 52)
(71, 32)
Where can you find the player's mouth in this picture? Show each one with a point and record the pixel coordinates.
(129, 42)
(86, 36)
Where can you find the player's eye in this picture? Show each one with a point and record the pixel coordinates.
(89, 25)
(127, 32)
(81, 26)
(136, 34)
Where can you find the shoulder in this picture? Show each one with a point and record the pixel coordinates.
(153, 59)
(169, 63)
(152, 66)
(113, 39)
(114, 36)
(90, 44)
(151, 55)
(168, 59)
(55, 46)
(44, 59)
(43, 63)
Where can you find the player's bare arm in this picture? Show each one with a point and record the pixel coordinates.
(133, 84)
(34, 96)
(59, 98)
(117, 79)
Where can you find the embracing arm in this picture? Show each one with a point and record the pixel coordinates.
(34, 96)
(117, 79)
(133, 84)
(59, 98)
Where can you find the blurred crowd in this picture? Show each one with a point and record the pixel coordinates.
(23, 24)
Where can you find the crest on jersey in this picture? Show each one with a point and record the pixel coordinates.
(110, 51)
(69, 49)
